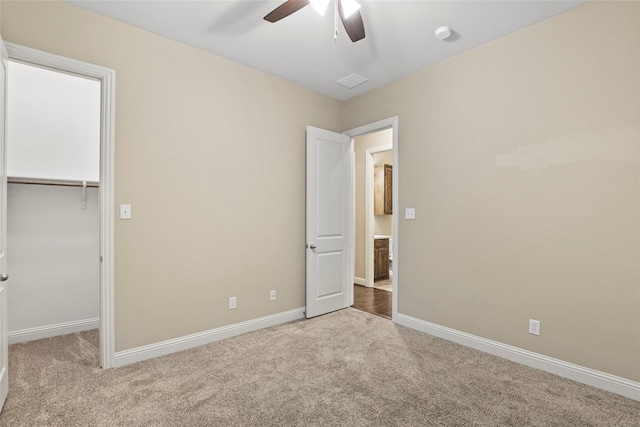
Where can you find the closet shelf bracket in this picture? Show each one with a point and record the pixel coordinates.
(83, 205)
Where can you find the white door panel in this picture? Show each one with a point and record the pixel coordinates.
(329, 274)
(328, 221)
(329, 158)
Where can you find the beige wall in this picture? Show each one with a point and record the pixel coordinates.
(382, 224)
(384, 157)
(211, 156)
(521, 159)
(360, 145)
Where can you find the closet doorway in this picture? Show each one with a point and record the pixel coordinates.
(53, 218)
(53, 296)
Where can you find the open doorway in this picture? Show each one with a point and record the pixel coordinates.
(105, 197)
(373, 224)
(53, 218)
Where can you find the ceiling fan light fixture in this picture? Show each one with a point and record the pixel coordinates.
(320, 6)
(349, 7)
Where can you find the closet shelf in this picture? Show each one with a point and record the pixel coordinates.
(62, 182)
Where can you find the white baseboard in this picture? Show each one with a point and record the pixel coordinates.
(30, 334)
(194, 340)
(360, 281)
(602, 380)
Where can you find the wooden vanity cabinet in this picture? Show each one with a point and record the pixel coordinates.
(382, 185)
(380, 259)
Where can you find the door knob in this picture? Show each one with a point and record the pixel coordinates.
(312, 246)
(4, 277)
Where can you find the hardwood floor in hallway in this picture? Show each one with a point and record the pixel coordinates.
(372, 300)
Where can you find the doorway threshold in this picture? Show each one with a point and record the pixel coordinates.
(372, 300)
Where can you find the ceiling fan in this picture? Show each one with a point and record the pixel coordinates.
(346, 9)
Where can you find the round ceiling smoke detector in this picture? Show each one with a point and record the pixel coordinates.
(443, 32)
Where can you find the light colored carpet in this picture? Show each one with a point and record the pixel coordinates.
(347, 368)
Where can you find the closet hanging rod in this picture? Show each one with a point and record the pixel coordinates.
(62, 182)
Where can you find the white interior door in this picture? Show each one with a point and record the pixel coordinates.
(4, 335)
(329, 218)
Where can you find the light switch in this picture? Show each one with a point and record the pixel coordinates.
(125, 211)
(410, 213)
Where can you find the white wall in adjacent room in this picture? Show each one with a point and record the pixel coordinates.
(53, 256)
(53, 129)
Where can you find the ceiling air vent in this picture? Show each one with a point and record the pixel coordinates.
(352, 80)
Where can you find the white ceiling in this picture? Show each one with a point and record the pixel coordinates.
(300, 48)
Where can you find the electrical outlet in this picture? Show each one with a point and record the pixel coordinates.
(125, 211)
(534, 327)
(272, 295)
(232, 303)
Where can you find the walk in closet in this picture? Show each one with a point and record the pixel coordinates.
(53, 218)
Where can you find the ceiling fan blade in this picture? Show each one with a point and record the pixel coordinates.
(285, 9)
(353, 25)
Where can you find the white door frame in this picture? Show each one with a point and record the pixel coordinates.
(4, 330)
(368, 212)
(107, 78)
(370, 128)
